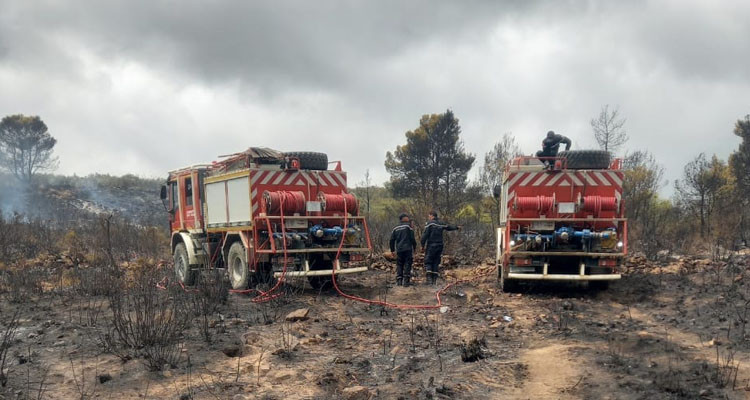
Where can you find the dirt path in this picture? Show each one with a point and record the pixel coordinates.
(551, 373)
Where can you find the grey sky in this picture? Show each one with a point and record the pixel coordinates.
(147, 86)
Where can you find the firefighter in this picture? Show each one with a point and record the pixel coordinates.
(551, 145)
(403, 244)
(432, 245)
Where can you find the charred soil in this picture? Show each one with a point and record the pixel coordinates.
(676, 330)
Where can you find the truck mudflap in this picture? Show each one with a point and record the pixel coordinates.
(322, 272)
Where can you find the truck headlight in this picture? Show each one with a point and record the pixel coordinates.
(512, 242)
(619, 244)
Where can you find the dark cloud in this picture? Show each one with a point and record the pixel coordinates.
(146, 86)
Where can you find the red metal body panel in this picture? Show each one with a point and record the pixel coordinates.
(309, 182)
(565, 186)
(540, 203)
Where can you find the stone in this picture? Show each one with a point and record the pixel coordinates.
(232, 350)
(251, 338)
(281, 377)
(298, 315)
(357, 393)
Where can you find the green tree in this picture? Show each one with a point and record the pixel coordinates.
(491, 174)
(642, 180)
(26, 146)
(705, 186)
(433, 164)
(739, 161)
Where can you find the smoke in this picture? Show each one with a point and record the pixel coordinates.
(68, 200)
(13, 195)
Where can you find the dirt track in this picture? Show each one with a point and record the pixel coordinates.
(655, 334)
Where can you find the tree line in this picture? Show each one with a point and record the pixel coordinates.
(709, 210)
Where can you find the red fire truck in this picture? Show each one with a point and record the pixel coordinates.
(561, 219)
(262, 214)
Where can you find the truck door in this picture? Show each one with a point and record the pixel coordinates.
(189, 213)
(175, 218)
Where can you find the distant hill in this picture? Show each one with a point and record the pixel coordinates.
(69, 199)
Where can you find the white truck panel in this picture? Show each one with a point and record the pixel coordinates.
(238, 200)
(216, 204)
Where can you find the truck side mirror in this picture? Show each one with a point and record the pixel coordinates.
(163, 193)
(496, 191)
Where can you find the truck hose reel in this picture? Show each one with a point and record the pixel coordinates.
(335, 203)
(597, 204)
(293, 202)
(542, 204)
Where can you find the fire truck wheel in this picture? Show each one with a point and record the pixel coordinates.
(586, 159)
(264, 276)
(507, 285)
(598, 285)
(237, 268)
(310, 160)
(182, 265)
(510, 286)
(320, 282)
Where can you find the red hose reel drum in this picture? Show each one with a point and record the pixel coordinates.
(541, 204)
(597, 204)
(292, 202)
(335, 203)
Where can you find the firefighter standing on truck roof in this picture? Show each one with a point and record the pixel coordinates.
(432, 244)
(403, 244)
(551, 145)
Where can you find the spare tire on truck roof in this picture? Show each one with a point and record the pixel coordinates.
(310, 159)
(586, 159)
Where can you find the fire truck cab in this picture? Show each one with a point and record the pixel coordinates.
(561, 219)
(262, 214)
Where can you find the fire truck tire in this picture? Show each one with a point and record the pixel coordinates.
(586, 159)
(510, 286)
(264, 276)
(237, 269)
(182, 269)
(323, 282)
(598, 285)
(310, 160)
(320, 282)
(507, 285)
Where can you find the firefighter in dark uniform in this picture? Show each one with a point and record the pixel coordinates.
(551, 145)
(403, 244)
(432, 244)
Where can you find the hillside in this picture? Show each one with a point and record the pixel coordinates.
(71, 199)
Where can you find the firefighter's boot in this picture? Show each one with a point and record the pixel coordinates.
(407, 281)
(399, 281)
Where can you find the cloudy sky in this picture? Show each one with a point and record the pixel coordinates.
(147, 86)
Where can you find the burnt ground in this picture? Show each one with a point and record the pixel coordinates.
(664, 331)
